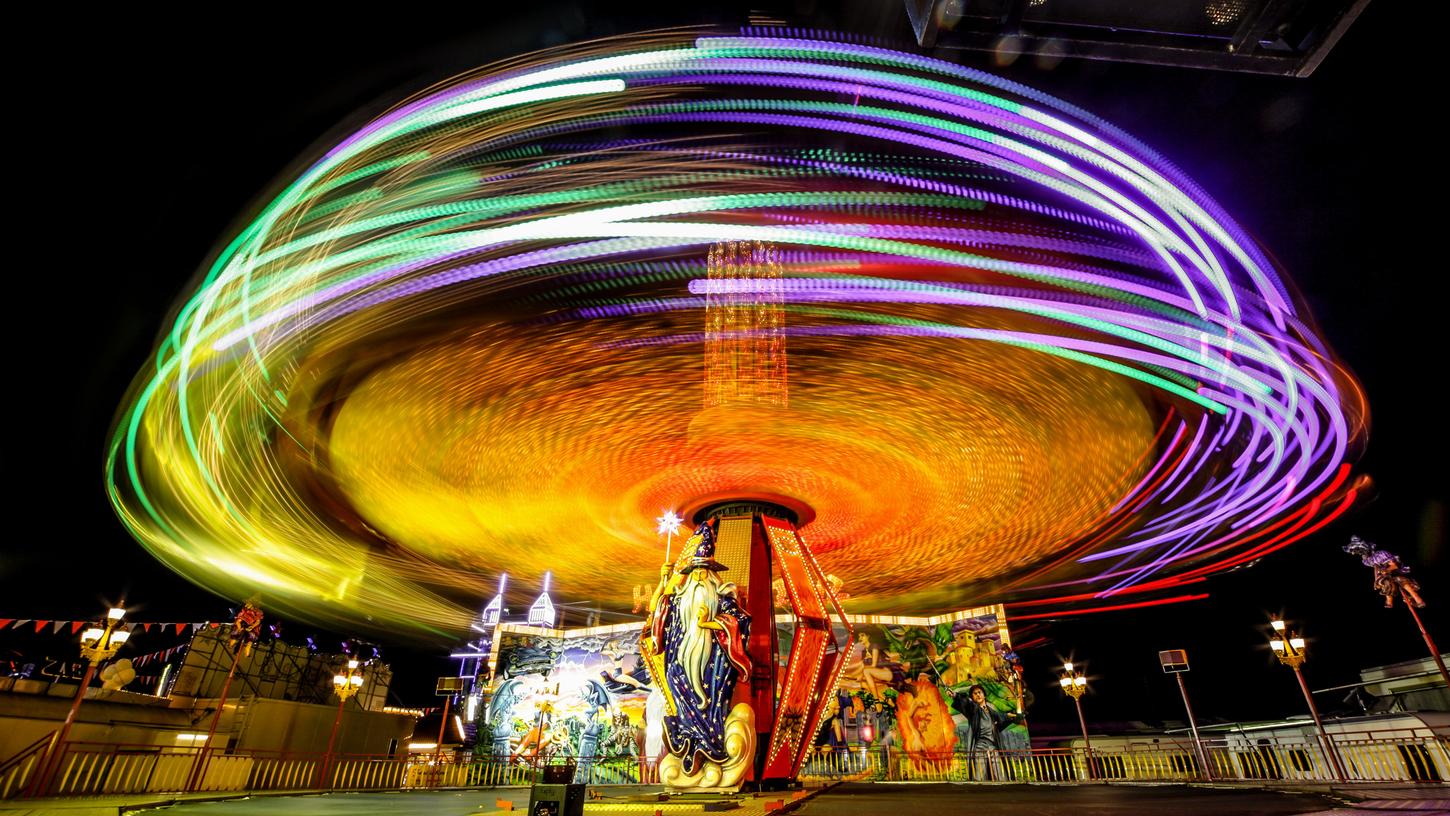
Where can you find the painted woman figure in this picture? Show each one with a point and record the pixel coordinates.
(863, 668)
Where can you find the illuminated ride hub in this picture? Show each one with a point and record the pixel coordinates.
(758, 539)
(1030, 360)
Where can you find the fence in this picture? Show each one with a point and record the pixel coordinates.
(93, 769)
(1406, 759)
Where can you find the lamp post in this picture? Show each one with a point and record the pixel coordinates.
(344, 684)
(1289, 647)
(1074, 685)
(447, 687)
(99, 643)
(1175, 662)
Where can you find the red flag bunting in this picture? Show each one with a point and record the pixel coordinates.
(4, 622)
(40, 624)
(75, 626)
(179, 627)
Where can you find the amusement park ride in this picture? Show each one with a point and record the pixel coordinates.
(1031, 362)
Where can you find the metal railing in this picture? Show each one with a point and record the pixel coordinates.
(94, 769)
(18, 771)
(1404, 759)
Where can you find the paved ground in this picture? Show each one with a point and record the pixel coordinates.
(1066, 800)
(405, 803)
(423, 803)
(844, 800)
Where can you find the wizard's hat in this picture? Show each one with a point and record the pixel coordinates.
(704, 557)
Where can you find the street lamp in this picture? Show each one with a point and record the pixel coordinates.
(1175, 662)
(1074, 685)
(1289, 647)
(345, 684)
(99, 642)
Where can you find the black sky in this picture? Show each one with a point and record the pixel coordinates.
(142, 143)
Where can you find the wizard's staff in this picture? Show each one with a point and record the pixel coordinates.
(668, 524)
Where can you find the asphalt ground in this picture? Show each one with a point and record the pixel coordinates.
(874, 799)
(884, 799)
(391, 803)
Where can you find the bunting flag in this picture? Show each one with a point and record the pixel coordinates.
(162, 655)
(38, 625)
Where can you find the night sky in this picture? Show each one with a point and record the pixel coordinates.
(139, 147)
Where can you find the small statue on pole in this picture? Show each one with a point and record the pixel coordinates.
(1391, 575)
(246, 628)
(1391, 578)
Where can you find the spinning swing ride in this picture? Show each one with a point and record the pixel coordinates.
(979, 344)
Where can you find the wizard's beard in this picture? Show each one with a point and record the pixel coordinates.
(696, 641)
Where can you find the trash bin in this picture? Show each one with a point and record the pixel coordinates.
(556, 800)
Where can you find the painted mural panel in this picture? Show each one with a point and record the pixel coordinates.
(910, 686)
(582, 695)
(905, 685)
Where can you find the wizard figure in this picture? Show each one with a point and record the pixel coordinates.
(695, 644)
